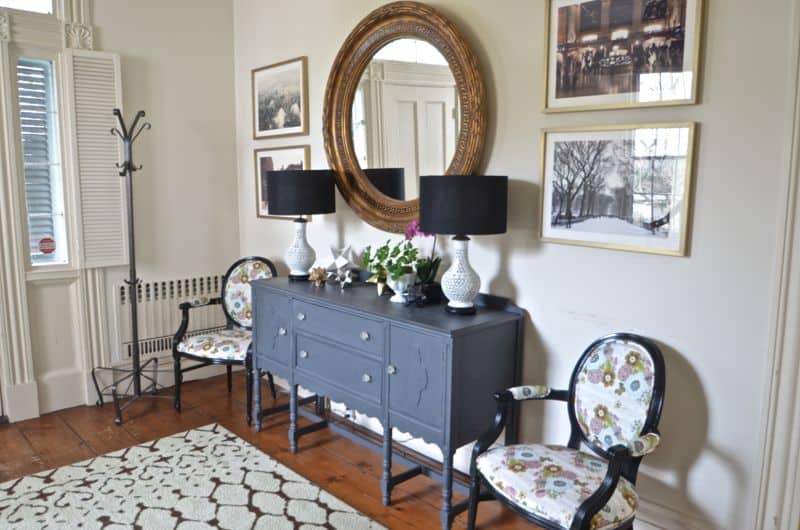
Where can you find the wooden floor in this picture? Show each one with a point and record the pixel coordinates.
(338, 465)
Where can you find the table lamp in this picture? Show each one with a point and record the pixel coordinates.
(462, 205)
(300, 192)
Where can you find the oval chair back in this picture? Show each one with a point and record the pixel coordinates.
(616, 394)
(236, 290)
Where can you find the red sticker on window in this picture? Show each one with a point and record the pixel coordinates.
(47, 245)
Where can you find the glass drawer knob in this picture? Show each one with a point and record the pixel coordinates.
(364, 336)
(281, 331)
(303, 354)
(366, 378)
(301, 316)
(391, 370)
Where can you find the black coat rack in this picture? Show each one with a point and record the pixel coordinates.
(131, 377)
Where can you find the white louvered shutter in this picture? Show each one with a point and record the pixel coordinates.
(96, 86)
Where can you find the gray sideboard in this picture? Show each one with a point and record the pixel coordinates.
(421, 370)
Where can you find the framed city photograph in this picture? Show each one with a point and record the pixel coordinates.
(621, 187)
(277, 159)
(280, 99)
(606, 54)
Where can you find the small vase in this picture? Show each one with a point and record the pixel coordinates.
(400, 287)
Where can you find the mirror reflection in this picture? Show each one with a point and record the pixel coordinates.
(405, 117)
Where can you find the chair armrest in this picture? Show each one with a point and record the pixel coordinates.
(185, 307)
(199, 301)
(524, 393)
(619, 455)
(644, 444)
(491, 435)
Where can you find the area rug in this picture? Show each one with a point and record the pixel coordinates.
(203, 478)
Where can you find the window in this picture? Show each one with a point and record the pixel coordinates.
(44, 196)
(37, 6)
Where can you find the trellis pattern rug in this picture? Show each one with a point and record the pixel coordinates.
(203, 478)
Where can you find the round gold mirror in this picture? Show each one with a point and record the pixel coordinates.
(404, 98)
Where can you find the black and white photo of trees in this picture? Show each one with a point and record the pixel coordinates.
(619, 186)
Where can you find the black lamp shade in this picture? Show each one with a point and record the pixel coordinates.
(301, 192)
(463, 204)
(390, 181)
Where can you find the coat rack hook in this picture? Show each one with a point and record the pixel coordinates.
(144, 126)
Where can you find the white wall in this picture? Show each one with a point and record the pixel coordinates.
(177, 66)
(711, 312)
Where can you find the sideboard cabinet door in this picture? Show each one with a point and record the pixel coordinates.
(272, 327)
(417, 375)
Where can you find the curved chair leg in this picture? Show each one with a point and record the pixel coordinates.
(474, 497)
(230, 378)
(272, 385)
(248, 367)
(178, 380)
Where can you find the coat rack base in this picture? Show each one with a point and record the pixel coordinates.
(122, 389)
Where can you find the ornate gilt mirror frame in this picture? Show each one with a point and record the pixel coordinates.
(385, 24)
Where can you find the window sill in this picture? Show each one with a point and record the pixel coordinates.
(45, 273)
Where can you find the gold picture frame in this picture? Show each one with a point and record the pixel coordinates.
(631, 238)
(283, 72)
(694, 16)
(261, 205)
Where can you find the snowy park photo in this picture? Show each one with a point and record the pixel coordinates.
(623, 188)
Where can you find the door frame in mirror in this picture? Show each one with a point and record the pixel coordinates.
(390, 22)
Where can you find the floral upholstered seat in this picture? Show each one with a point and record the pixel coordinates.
(614, 404)
(228, 344)
(552, 481)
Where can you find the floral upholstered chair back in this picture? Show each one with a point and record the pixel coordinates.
(618, 390)
(237, 292)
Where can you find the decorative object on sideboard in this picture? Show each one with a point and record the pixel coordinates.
(390, 181)
(301, 193)
(343, 277)
(280, 99)
(292, 157)
(317, 276)
(353, 133)
(426, 290)
(393, 265)
(462, 206)
(611, 55)
(618, 187)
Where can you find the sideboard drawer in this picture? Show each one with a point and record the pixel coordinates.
(271, 327)
(347, 328)
(351, 372)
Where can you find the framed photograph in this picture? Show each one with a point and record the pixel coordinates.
(609, 54)
(277, 159)
(621, 187)
(280, 99)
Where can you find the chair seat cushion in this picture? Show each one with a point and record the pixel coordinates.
(551, 482)
(227, 345)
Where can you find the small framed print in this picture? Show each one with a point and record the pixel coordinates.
(280, 99)
(607, 54)
(294, 157)
(621, 187)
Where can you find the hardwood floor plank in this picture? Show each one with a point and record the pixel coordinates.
(338, 465)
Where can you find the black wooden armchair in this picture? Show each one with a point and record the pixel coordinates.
(233, 345)
(614, 403)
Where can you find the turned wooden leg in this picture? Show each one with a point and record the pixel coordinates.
(447, 489)
(272, 385)
(254, 382)
(178, 376)
(474, 495)
(386, 480)
(248, 368)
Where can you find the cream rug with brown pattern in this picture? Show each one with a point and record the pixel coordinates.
(203, 478)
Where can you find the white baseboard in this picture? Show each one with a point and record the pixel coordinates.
(23, 402)
(60, 390)
(654, 516)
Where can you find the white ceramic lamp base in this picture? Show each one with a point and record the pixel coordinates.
(300, 256)
(460, 284)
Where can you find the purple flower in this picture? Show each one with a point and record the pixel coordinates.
(413, 230)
